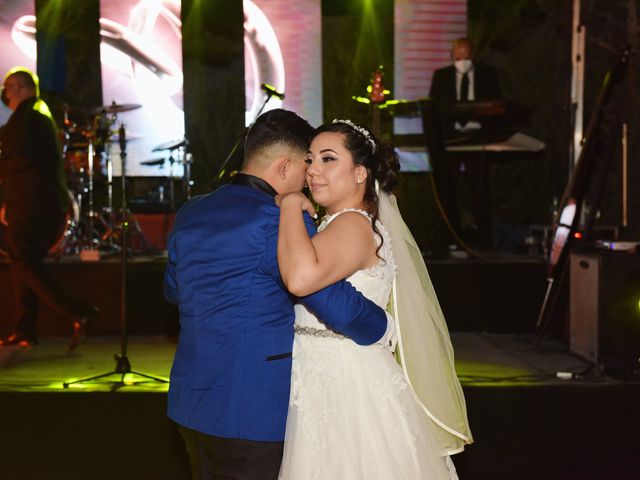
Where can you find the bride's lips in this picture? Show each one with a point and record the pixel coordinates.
(316, 186)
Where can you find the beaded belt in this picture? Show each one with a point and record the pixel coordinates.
(315, 332)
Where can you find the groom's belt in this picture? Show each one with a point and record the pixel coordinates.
(316, 332)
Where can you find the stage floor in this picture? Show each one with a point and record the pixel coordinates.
(46, 366)
(481, 360)
(527, 423)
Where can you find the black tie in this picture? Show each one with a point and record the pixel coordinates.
(464, 87)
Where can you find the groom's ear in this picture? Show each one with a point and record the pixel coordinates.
(284, 163)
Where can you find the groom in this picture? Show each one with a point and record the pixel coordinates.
(230, 378)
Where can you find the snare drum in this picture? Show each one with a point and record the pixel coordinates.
(69, 224)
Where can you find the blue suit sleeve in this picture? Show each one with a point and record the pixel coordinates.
(345, 309)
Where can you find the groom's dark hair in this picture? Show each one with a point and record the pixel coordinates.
(277, 128)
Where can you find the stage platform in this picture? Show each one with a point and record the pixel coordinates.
(528, 424)
(501, 293)
(98, 283)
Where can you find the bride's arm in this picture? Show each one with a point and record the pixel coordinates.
(309, 264)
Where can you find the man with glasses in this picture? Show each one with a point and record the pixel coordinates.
(35, 198)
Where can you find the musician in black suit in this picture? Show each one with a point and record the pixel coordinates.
(35, 200)
(465, 81)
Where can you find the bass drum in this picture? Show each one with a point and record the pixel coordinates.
(67, 228)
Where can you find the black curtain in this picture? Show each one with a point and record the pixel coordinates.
(214, 98)
(69, 55)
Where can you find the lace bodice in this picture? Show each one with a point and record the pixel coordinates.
(375, 283)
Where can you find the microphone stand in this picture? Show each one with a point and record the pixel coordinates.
(123, 365)
(221, 171)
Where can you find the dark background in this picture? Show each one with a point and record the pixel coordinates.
(528, 41)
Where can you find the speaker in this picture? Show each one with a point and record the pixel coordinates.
(604, 325)
(583, 312)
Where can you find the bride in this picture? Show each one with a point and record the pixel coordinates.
(355, 412)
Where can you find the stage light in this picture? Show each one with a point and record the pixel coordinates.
(368, 4)
(577, 235)
(360, 99)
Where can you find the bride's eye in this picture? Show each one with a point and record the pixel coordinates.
(308, 161)
(328, 158)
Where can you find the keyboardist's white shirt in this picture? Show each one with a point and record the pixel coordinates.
(469, 125)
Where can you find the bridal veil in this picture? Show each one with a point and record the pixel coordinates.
(424, 344)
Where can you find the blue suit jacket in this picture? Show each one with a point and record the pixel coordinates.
(232, 368)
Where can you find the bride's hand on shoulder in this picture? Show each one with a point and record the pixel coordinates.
(296, 200)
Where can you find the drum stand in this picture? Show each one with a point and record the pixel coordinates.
(123, 365)
(108, 219)
(187, 160)
(172, 187)
(82, 235)
(110, 238)
(78, 235)
(90, 159)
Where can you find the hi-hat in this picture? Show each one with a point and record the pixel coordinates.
(172, 145)
(115, 108)
(153, 163)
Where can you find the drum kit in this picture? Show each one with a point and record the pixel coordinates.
(176, 154)
(92, 222)
(92, 226)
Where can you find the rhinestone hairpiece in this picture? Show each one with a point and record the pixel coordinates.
(363, 131)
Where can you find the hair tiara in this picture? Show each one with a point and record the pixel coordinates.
(363, 131)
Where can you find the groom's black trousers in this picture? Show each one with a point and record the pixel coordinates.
(218, 458)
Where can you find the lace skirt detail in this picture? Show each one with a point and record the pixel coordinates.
(352, 416)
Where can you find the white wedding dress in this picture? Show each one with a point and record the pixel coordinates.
(352, 414)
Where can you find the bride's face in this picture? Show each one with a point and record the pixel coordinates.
(334, 180)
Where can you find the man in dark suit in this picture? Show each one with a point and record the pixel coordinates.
(230, 379)
(465, 81)
(35, 199)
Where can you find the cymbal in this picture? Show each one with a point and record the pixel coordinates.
(171, 145)
(115, 108)
(129, 136)
(153, 163)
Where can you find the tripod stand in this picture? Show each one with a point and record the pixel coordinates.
(123, 365)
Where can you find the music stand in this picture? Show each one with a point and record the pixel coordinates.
(123, 365)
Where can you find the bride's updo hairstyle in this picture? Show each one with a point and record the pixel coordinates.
(380, 160)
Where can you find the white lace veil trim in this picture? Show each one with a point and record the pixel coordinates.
(424, 345)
